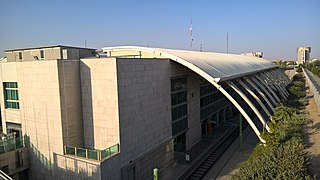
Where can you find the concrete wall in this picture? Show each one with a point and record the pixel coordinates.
(100, 102)
(144, 89)
(70, 102)
(40, 113)
(50, 53)
(194, 132)
(8, 73)
(28, 54)
(13, 158)
(68, 167)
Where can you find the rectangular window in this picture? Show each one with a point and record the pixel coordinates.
(20, 55)
(179, 126)
(178, 84)
(11, 95)
(41, 54)
(179, 112)
(178, 98)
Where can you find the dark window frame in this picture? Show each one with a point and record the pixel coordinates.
(11, 95)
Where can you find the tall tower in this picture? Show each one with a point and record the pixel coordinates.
(303, 54)
(227, 43)
(191, 38)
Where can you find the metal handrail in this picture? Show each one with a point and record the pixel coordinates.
(5, 176)
(314, 90)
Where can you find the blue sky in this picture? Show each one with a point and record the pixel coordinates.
(275, 27)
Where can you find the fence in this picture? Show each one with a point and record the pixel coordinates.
(10, 144)
(313, 87)
(92, 153)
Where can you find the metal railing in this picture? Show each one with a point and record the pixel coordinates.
(311, 82)
(10, 144)
(4, 176)
(92, 154)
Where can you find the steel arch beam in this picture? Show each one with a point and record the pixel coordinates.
(279, 83)
(251, 105)
(265, 76)
(240, 109)
(256, 98)
(275, 99)
(261, 93)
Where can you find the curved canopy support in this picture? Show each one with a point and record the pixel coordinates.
(285, 77)
(278, 82)
(247, 100)
(261, 93)
(237, 105)
(265, 88)
(214, 67)
(255, 97)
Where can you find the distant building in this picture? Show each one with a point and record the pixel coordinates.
(120, 114)
(254, 54)
(303, 54)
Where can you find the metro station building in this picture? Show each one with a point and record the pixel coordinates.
(120, 113)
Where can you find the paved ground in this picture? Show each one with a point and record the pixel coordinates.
(312, 135)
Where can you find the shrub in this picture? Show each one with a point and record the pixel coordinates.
(286, 161)
(283, 155)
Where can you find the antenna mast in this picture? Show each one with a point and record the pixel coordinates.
(200, 47)
(191, 39)
(227, 43)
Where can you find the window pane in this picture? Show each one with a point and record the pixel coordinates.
(178, 84)
(11, 93)
(41, 54)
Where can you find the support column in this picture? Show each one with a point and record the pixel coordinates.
(256, 98)
(247, 100)
(261, 94)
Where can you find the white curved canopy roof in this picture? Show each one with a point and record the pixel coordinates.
(217, 65)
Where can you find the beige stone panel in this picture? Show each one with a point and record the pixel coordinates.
(71, 106)
(40, 111)
(100, 102)
(13, 115)
(10, 159)
(78, 168)
(9, 72)
(10, 56)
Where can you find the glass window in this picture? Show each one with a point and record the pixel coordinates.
(179, 111)
(178, 98)
(41, 54)
(179, 126)
(20, 55)
(11, 95)
(178, 84)
(180, 143)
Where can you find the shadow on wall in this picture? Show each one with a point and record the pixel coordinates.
(62, 167)
(74, 168)
(87, 110)
(37, 159)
